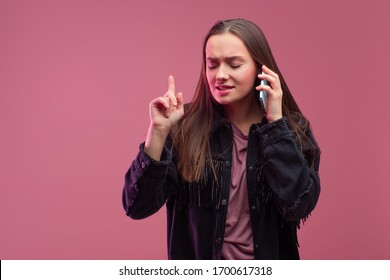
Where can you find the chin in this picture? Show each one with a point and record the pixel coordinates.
(223, 101)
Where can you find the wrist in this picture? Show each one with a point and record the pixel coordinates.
(159, 130)
(273, 118)
(155, 141)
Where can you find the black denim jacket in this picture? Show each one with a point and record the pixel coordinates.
(283, 188)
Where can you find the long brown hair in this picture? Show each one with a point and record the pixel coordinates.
(191, 135)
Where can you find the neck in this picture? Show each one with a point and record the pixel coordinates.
(243, 114)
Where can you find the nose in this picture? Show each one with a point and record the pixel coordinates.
(222, 73)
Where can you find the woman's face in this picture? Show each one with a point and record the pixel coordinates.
(230, 69)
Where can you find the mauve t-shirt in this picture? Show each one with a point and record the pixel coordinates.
(238, 243)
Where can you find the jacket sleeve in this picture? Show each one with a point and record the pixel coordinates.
(148, 184)
(291, 169)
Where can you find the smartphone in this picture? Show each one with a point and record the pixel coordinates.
(262, 95)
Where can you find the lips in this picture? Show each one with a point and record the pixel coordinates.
(224, 87)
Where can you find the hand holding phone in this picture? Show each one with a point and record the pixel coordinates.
(270, 95)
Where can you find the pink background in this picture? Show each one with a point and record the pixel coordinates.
(76, 78)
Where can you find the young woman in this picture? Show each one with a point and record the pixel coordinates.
(236, 179)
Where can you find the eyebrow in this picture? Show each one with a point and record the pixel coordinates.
(229, 58)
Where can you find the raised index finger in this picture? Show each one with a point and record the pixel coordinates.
(171, 85)
(171, 90)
